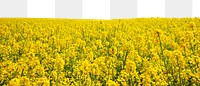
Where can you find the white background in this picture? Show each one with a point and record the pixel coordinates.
(196, 8)
(151, 8)
(41, 8)
(100, 9)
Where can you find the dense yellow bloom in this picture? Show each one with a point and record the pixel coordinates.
(111, 83)
(121, 52)
(14, 82)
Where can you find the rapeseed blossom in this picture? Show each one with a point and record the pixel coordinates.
(125, 52)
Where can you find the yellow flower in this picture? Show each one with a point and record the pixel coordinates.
(192, 24)
(54, 75)
(110, 83)
(113, 50)
(14, 82)
(107, 43)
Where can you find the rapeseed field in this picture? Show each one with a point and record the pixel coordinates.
(121, 52)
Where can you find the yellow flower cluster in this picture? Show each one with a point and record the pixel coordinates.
(126, 52)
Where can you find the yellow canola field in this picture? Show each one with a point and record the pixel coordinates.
(126, 52)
